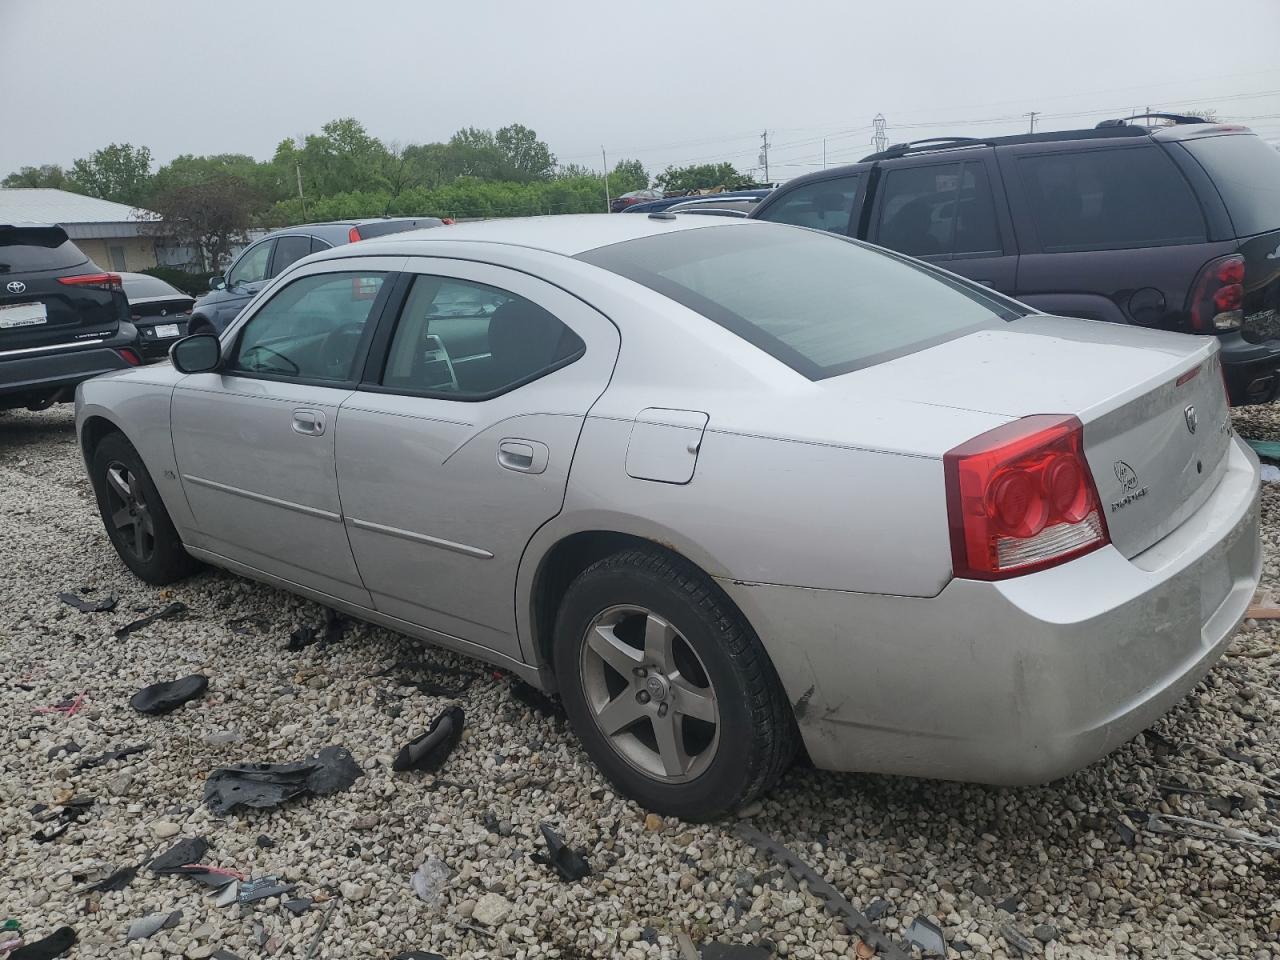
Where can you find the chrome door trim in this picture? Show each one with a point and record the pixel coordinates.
(450, 545)
(263, 498)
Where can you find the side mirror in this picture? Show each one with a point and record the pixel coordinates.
(196, 354)
(217, 283)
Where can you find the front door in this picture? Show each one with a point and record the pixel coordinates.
(458, 446)
(254, 440)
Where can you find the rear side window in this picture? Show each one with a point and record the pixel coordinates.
(941, 210)
(822, 305)
(1246, 172)
(289, 250)
(1109, 200)
(25, 249)
(824, 205)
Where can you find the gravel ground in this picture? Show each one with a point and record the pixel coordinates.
(1075, 868)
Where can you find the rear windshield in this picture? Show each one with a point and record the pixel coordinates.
(1247, 174)
(821, 304)
(380, 228)
(142, 287)
(24, 249)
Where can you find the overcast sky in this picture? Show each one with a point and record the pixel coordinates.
(665, 82)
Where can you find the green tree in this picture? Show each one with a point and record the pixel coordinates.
(341, 158)
(119, 172)
(627, 175)
(45, 175)
(211, 215)
(187, 170)
(524, 157)
(702, 176)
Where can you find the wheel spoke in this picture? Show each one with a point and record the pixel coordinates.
(122, 518)
(620, 656)
(118, 482)
(144, 522)
(659, 637)
(669, 732)
(620, 712)
(693, 701)
(135, 489)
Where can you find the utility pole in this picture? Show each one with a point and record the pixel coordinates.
(605, 160)
(764, 154)
(879, 137)
(824, 153)
(1033, 114)
(297, 168)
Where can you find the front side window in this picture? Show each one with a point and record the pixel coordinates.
(311, 329)
(289, 250)
(942, 210)
(824, 205)
(821, 304)
(466, 340)
(252, 267)
(1110, 200)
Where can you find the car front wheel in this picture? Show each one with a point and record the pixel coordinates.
(669, 688)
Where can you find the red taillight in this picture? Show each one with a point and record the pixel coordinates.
(129, 357)
(105, 281)
(1021, 498)
(353, 235)
(1217, 298)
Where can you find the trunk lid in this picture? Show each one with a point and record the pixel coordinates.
(1261, 305)
(1155, 415)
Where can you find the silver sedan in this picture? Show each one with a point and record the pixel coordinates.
(727, 487)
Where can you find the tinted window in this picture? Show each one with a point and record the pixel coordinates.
(1246, 172)
(289, 250)
(467, 340)
(822, 305)
(311, 329)
(826, 205)
(380, 228)
(943, 210)
(37, 248)
(141, 286)
(1110, 199)
(252, 266)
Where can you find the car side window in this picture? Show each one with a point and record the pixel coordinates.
(468, 341)
(825, 205)
(252, 267)
(940, 210)
(1110, 199)
(289, 250)
(310, 330)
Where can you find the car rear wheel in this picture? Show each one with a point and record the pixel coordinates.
(669, 688)
(134, 515)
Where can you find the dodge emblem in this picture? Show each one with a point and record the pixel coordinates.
(1190, 415)
(15, 286)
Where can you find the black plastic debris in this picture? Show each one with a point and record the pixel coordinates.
(1016, 939)
(262, 888)
(1160, 745)
(68, 748)
(172, 610)
(262, 786)
(926, 935)
(570, 864)
(212, 877)
(104, 605)
(116, 881)
(54, 945)
(535, 699)
(183, 853)
(298, 906)
(165, 697)
(1008, 905)
(117, 754)
(301, 638)
(876, 909)
(246, 626)
(265, 842)
(407, 673)
(733, 951)
(429, 751)
(223, 954)
(64, 815)
(332, 630)
(150, 926)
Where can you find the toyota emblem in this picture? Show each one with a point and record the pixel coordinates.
(1190, 414)
(16, 286)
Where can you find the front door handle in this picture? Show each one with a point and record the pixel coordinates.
(523, 456)
(309, 423)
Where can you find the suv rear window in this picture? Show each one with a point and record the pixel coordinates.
(25, 249)
(1247, 174)
(821, 304)
(1110, 200)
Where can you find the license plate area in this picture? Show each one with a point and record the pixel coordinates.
(22, 315)
(166, 330)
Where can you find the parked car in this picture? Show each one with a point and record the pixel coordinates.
(1174, 227)
(620, 203)
(63, 318)
(159, 310)
(657, 206)
(726, 486)
(715, 206)
(263, 260)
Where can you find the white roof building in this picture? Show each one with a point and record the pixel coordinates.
(113, 235)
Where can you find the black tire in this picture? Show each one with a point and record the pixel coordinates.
(156, 554)
(755, 736)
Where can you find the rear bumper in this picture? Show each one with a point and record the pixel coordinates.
(1021, 681)
(154, 347)
(1252, 370)
(57, 369)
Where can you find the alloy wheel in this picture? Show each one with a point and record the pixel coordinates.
(649, 694)
(129, 512)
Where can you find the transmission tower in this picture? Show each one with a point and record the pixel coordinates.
(764, 154)
(879, 138)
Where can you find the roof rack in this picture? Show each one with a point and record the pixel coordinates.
(1177, 118)
(930, 143)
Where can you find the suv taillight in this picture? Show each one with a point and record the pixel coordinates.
(1217, 298)
(1021, 498)
(353, 235)
(103, 281)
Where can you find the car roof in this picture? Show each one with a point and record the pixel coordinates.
(568, 234)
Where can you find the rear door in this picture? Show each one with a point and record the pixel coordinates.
(949, 211)
(51, 293)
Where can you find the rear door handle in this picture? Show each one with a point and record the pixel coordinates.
(523, 456)
(309, 423)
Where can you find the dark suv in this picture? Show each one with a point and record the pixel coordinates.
(1176, 227)
(263, 260)
(62, 318)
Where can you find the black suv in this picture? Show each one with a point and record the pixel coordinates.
(62, 319)
(1176, 227)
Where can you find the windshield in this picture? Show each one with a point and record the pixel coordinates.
(37, 248)
(819, 303)
(1247, 174)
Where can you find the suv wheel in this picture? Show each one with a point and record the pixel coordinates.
(669, 689)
